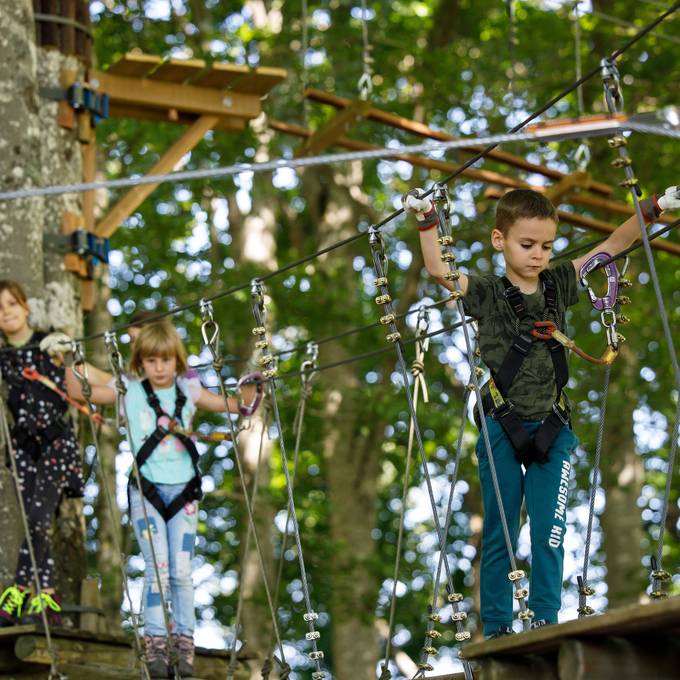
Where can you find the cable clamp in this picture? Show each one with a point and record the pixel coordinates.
(622, 319)
(435, 617)
(383, 299)
(393, 337)
(629, 182)
(261, 344)
(525, 615)
(316, 656)
(516, 575)
(318, 675)
(463, 636)
(310, 616)
(425, 667)
(622, 162)
(313, 635)
(452, 276)
(387, 319)
(456, 295)
(448, 257)
(454, 597)
(431, 651)
(269, 373)
(459, 616)
(625, 283)
(446, 240)
(521, 593)
(433, 634)
(265, 360)
(623, 300)
(586, 590)
(259, 330)
(380, 281)
(658, 595)
(586, 610)
(617, 141)
(661, 575)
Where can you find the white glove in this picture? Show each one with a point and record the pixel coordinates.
(670, 200)
(415, 205)
(56, 344)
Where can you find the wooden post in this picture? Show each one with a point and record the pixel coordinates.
(616, 658)
(132, 200)
(90, 596)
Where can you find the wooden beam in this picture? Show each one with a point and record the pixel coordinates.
(563, 186)
(33, 649)
(153, 94)
(527, 668)
(338, 125)
(591, 223)
(226, 123)
(618, 658)
(423, 130)
(133, 199)
(490, 177)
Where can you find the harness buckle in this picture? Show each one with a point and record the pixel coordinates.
(562, 413)
(502, 410)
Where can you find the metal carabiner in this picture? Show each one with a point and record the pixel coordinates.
(422, 328)
(441, 195)
(612, 85)
(210, 331)
(607, 301)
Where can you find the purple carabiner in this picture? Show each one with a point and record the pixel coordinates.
(607, 301)
(248, 379)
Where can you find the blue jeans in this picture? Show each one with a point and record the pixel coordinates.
(544, 487)
(173, 544)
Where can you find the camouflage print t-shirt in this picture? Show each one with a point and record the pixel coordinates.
(533, 390)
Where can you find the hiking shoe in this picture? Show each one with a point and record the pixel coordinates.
(156, 656)
(539, 623)
(11, 605)
(50, 603)
(503, 630)
(184, 646)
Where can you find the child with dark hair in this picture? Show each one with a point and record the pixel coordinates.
(47, 457)
(526, 408)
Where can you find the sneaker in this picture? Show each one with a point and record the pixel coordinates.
(11, 605)
(503, 630)
(156, 656)
(184, 645)
(539, 623)
(50, 603)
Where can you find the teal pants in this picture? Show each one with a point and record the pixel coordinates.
(544, 487)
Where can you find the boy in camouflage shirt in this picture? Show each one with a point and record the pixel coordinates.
(525, 230)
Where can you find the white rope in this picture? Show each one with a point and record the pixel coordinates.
(599, 129)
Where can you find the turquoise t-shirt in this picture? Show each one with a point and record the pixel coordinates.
(170, 463)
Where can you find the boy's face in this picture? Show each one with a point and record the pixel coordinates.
(526, 246)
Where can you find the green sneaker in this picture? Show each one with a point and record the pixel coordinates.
(50, 603)
(11, 605)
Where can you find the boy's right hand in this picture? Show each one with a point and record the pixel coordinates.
(421, 208)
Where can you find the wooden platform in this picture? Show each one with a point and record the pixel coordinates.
(86, 656)
(638, 642)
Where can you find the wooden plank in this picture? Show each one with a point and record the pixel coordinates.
(135, 64)
(33, 649)
(178, 70)
(657, 615)
(226, 123)
(528, 667)
(261, 80)
(619, 658)
(423, 130)
(133, 198)
(151, 94)
(220, 76)
(343, 121)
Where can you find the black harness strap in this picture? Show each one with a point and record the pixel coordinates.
(528, 449)
(192, 490)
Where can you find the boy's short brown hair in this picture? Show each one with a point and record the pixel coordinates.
(157, 339)
(522, 204)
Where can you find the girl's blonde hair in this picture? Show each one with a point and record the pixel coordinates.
(157, 339)
(15, 290)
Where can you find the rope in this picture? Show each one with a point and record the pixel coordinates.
(417, 369)
(116, 364)
(614, 101)
(305, 70)
(298, 423)
(86, 387)
(512, 44)
(583, 588)
(231, 669)
(210, 331)
(365, 83)
(54, 673)
(266, 360)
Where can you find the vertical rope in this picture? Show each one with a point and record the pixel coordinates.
(305, 70)
(54, 673)
(584, 589)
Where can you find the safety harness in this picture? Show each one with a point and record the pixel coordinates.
(528, 449)
(192, 490)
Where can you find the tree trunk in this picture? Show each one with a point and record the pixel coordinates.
(36, 151)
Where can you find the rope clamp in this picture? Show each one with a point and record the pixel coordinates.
(433, 634)
(617, 141)
(456, 295)
(452, 276)
(435, 617)
(446, 240)
(448, 257)
(622, 162)
(380, 281)
(316, 656)
(459, 616)
(516, 575)
(463, 636)
(393, 337)
(383, 299)
(454, 598)
(525, 615)
(521, 593)
(387, 319)
(314, 635)
(431, 651)
(629, 182)
(661, 575)
(310, 616)
(261, 344)
(259, 330)
(586, 610)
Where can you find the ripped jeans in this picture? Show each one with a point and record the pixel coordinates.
(173, 544)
